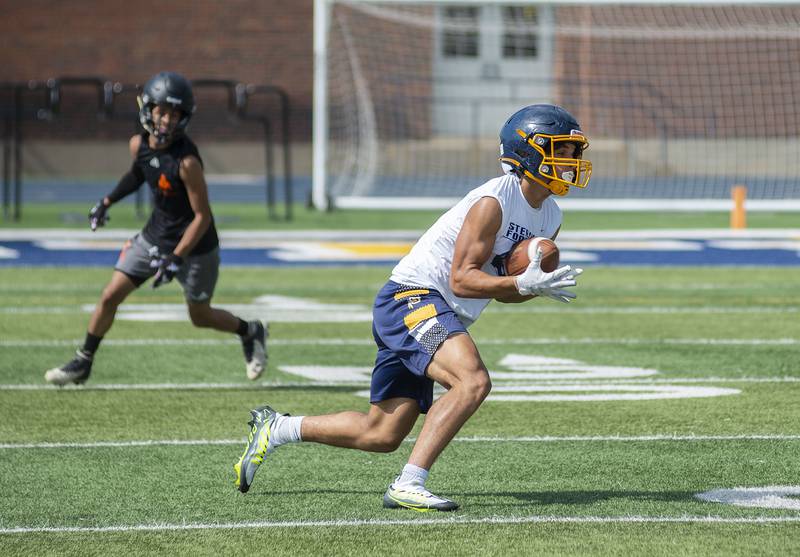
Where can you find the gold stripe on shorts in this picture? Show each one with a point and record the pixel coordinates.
(419, 315)
(407, 293)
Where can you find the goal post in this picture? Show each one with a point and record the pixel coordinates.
(680, 100)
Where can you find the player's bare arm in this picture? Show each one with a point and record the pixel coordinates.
(473, 249)
(191, 172)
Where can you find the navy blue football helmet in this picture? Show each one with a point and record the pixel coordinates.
(171, 89)
(530, 140)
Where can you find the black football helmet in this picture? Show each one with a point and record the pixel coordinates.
(166, 88)
(528, 143)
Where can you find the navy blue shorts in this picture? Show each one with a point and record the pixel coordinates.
(409, 324)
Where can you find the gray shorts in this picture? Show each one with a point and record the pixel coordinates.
(198, 274)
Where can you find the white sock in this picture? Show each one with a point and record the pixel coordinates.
(412, 475)
(287, 430)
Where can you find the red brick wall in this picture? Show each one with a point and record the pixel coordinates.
(262, 42)
(707, 81)
(629, 85)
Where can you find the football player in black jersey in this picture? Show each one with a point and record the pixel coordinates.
(179, 240)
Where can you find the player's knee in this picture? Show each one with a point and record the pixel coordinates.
(484, 385)
(201, 317)
(386, 443)
(477, 387)
(110, 299)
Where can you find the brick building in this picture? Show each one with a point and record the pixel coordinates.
(264, 43)
(672, 77)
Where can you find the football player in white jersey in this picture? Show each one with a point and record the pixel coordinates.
(421, 315)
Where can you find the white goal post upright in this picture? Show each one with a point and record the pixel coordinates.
(680, 99)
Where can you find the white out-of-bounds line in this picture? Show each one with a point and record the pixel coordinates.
(540, 519)
(26, 343)
(522, 439)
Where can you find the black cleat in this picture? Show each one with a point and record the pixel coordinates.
(255, 351)
(77, 371)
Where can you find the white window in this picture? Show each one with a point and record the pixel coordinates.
(488, 62)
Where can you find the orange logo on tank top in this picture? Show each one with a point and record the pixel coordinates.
(165, 186)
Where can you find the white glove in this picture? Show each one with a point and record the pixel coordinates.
(534, 281)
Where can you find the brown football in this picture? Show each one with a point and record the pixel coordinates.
(518, 258)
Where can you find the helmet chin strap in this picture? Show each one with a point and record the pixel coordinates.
(554, 186)
(558, 188)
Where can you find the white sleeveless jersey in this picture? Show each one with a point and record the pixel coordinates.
(430, 260)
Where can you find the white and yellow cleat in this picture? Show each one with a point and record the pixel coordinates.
(259, 444)
(415, 497)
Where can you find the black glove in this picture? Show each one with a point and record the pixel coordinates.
(166, 267)
(98, 216)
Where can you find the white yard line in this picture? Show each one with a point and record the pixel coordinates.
(114, 444)
(27, 343)
(628, 438)
(506, 308)
(29, 234)
(181, 386)
(355, 384)
(536, 519)
(500, 308)
(522, 439)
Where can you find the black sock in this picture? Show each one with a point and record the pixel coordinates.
(244, 329)
(91, 344)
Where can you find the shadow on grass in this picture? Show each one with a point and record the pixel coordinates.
(313, 492)
(590, 497)
(495, 498)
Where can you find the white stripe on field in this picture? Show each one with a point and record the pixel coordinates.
(181, 386)
(540, 519)
(328, 235)
(354, 384)
(22, 343)
(187, 342)
(522, 439)
(114, 444)
(505, 308)
(656, 380)
(539, 309)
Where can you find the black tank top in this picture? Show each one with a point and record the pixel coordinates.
(172, 212)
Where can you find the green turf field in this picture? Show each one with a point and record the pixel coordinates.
(142, 456)
(254, 216)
